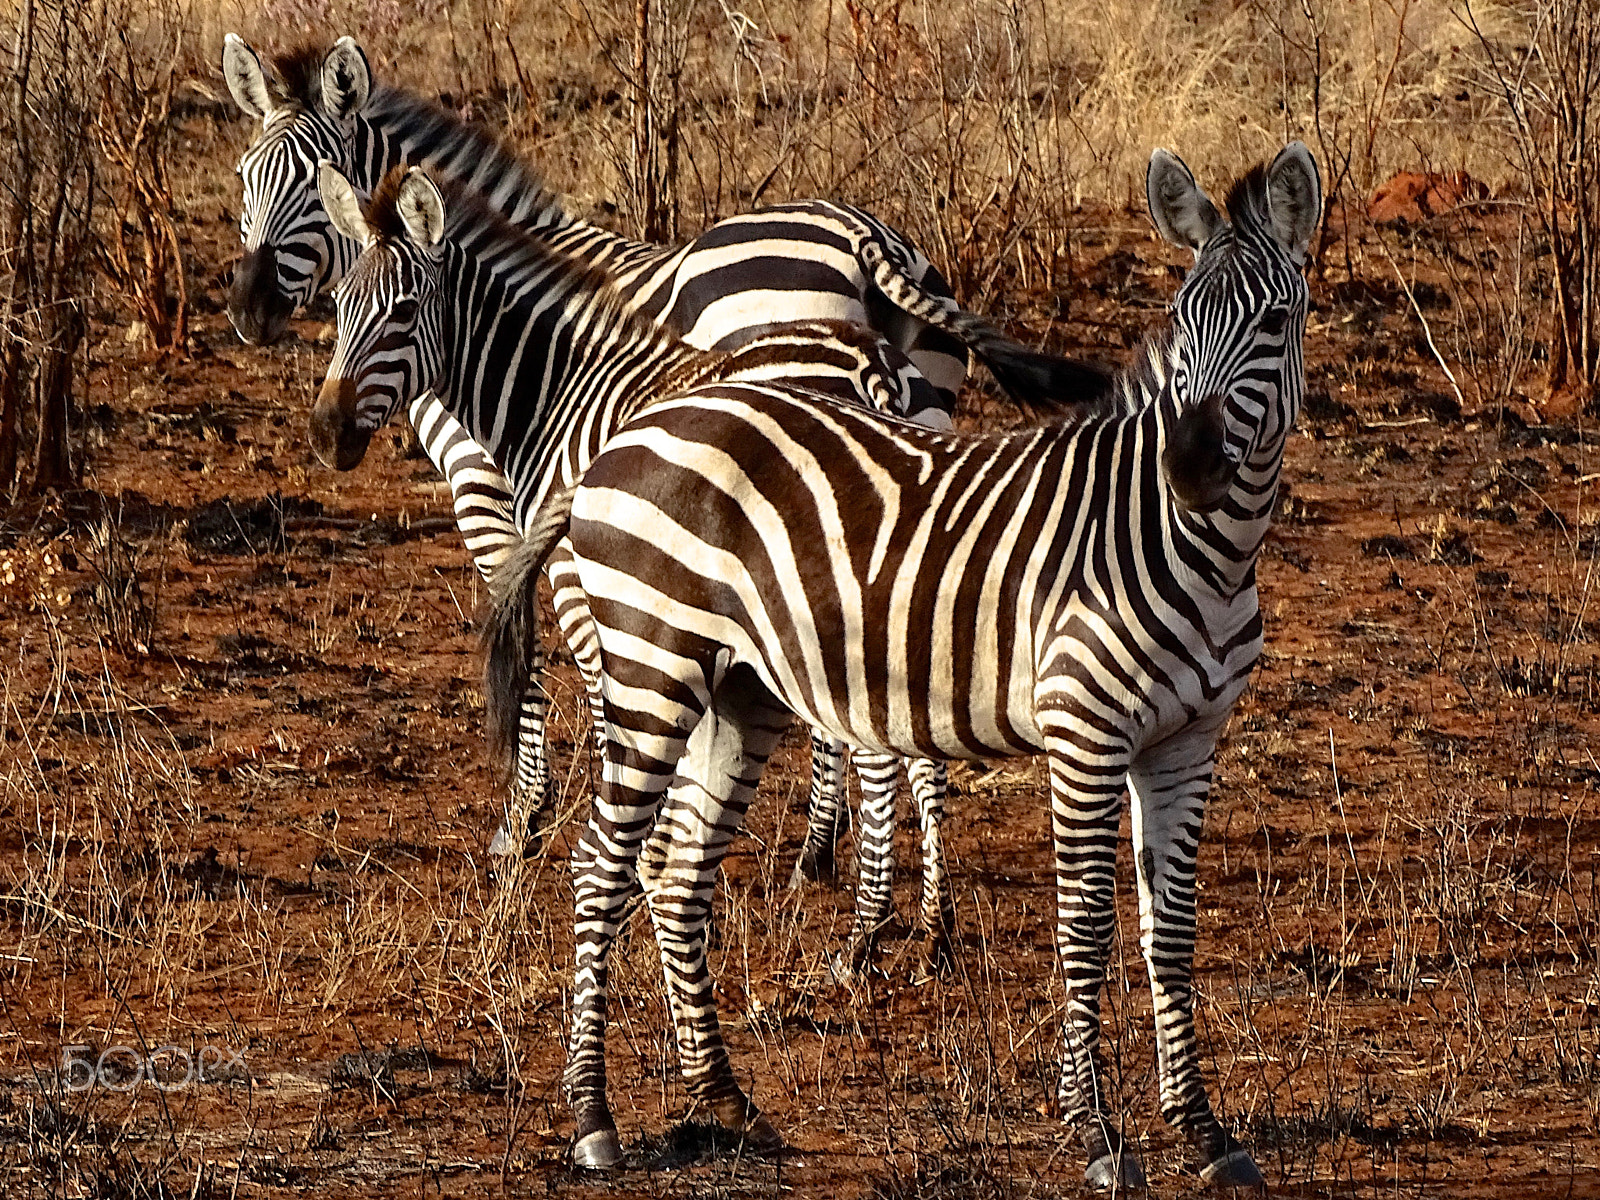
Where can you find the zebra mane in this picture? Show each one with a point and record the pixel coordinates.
(479, 229)
(496, 169)
(296, 75)
(1247, 203)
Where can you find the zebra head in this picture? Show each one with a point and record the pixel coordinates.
(308, 113)
(390, 310)
(1237, 325)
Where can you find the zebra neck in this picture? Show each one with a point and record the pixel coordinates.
(1214, 552)
(540, 366)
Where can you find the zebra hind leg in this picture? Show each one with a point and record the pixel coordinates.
(532, 795)
(827, 817)
(678, 868)
(928, 787)
(874, 907)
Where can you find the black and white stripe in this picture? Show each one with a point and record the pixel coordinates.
(1086, 590)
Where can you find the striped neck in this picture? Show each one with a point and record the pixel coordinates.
(1214, 551)
(570, 357)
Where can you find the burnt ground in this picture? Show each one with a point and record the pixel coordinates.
(245, 810)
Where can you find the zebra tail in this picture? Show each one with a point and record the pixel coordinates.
(513, 653)
(1044, 384)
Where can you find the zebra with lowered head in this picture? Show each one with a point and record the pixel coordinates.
(1086, 590)
(810, 260)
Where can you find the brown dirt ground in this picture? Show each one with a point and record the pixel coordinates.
(265, 830)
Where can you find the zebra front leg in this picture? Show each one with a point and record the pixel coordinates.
(481, 499)
(1086, 782)
(826, 814)
(1169, 785)
(929, 783)
(874, 907)
(678, 868)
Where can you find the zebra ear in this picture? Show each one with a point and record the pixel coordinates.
(346, 80)
(342, 204)
(248, 83)
(421, 208)
(1183, 213)
(1294, 198)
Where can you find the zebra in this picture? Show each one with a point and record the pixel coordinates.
(805, 260)
(538, 357)
(1086, 589)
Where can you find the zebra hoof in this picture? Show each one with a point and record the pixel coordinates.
(840, 968)
(1115, 1172)
(762, 1136)
(1236, 1169)
(938, 959)
(597, 1151)
(812, 867)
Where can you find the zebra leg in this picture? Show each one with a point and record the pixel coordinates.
(1086, 781)
(827, 817)
(481, 499)
(928, 787)
(639, 766)
(727, 753)
(578, 631)
(532, 791)
(880, 778)
(1169, 785)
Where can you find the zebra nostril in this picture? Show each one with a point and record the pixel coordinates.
(335, 436)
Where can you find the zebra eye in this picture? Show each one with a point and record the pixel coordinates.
(1273, 321)
(404, 312)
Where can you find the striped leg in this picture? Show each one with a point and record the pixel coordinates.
(481, 499)
(827, 817)
(1086, 781)
(704, 810)
(578, 632)
(928, 787)
(880, 779)
(1168, 786)
(643, 744)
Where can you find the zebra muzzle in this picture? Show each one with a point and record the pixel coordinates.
(256, 304)
(1196, 461)
(335, 436)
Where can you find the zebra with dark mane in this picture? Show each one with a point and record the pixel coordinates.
(809, 260)
(1086, 589)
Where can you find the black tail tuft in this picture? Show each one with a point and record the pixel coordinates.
(1044, 383)
(513, 653)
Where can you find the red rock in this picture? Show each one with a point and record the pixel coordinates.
(1416, 196)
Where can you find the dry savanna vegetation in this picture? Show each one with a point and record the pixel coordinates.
(250, 941)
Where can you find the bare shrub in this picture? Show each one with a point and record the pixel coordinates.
(141, 252)
(1541, 62)
(47, 193)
